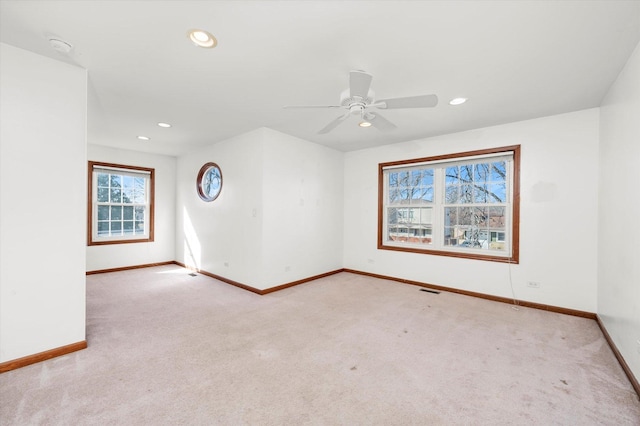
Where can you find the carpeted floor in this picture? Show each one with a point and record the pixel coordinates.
(166, 348)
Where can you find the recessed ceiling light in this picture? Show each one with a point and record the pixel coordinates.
(144, 138)
(164, 125)
(457, 101)
(60, 45)
(364, 124)
(202, 38)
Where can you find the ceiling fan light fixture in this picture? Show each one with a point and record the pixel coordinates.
(457, 101)
(364, 124)
(202, 38)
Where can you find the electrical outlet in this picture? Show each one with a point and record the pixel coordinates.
(287, 268)
(226, 264)
(533, 284)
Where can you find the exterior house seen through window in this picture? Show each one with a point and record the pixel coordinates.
(461, 205)
(120, 206)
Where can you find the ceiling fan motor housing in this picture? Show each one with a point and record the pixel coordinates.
(347, 100)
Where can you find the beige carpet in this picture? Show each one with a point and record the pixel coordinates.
(166, 348)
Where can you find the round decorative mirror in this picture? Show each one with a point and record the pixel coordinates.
(209, 182)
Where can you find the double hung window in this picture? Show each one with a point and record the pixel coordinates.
(462, 205)
(120, 204)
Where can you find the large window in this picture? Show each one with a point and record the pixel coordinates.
(120, 204)
(462, 205)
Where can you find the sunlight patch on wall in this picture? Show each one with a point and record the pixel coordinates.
(192, 246)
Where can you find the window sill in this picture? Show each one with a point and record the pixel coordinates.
(513, 259)
(102, 242)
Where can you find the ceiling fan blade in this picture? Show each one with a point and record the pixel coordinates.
(329, 127)
(312, 106)
(380, 123)
(359, 83)
(424, 101)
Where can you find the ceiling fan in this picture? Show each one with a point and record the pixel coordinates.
(358, 100)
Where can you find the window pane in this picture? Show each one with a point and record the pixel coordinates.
(394, 196)
(411, 224)
(480, 192)
(127, 182)
(497, 218)
(138, 197)
(449, 239)
(427, 194)
(497, 241)
(451, 175)
(450, 216)
(451, 195)
(393, 179)
(103, 212)
(127, 226)
(116, 228)
(482, 172)
(481, 216)
(403, 178)
(426, 216)
(127, 196)
(139, 213)
(139, 184)
(103, 229)
(427, 177)
(402, 215)
(499, 171)
(139, 226)
(392, 216)
(116, 181)
(416, 177)
(116, 195)
(103, 195)
(116, 213)
(127, 213)
(103, 180)
(466, 173)
(466, 194)
(498, 193)
(466, 216)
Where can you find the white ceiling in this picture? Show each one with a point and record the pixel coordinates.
(514, 60)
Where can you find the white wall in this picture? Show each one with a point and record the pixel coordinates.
(278, 216)
(302, 205)
(43, 110)
(619, 233)
(224, 236)
(558, 213)
(162, 249)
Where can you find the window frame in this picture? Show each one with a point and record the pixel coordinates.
(440, 160)
(92, 201)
